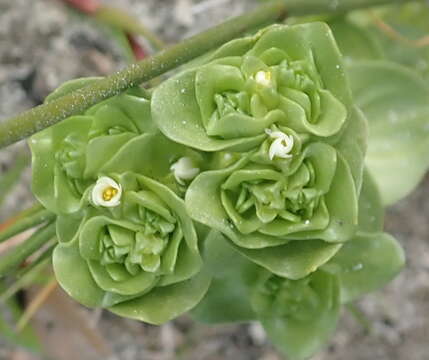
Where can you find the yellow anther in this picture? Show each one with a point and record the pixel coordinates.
(106, 192)
(109, 193)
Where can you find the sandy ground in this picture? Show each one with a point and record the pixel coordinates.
(42, 45)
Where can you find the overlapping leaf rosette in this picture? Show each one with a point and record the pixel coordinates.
(300, 316)
(258, 145)
(289, 145)
(126, 242)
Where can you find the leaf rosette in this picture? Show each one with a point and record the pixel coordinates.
(276, 109)
(289, 76)
(288, 224)
(139, 259)
(67, 157)
(125, 240)
(298, 315)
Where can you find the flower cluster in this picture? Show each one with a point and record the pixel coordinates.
(258, 143)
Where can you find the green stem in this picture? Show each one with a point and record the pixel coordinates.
(18, 254)
(25, 280)
(24, 221)
(40, 117)
(120, 19)
(11, 178)
(45, 255)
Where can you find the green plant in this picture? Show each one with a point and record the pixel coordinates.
(240, 187)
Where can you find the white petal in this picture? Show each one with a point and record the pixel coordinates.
(281, 146)
(103, 184)
(184, 169)
(263, 78)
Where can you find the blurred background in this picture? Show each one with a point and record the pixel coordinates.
(44, 43)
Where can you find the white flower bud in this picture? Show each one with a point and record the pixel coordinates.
(106, 192)
(281, 146)
(184, 169)
(263, 78)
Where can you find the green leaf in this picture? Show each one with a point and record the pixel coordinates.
(227, 299)
(371, 211)
(395, 101)
(132, 104)
(206, 189)
(72, 273)
(68, 157)
(175, 100)
(294, 260)
(221, 105)
(410, 22)
(302, 317)
(353, 144)
(140, 283)
(343, 214)
(355, 42)
(70, 86)
(67, 227)
(50, 183)
(165, 303)
(366, 263)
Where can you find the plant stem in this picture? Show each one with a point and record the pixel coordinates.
(11, 177)
(120, 19)
(40, 117)
(26, 280)
(45, 255)
(18, 254)
(24, 221)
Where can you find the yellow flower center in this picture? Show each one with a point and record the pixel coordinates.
(109, 193)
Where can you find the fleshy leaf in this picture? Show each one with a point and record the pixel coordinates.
(67, 227)
(353, 144)
(343, 214)
(137, 284)
(167, 302)
(366, 263)
(355, 42)
(50, 183)
(227, 299)
(73, 274)
(371, 211)
(175, 100)
(394, 99)
(70, 86)
(302, 316)
(294, 260)
(208, 106)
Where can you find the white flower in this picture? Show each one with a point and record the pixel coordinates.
(184, 169)
(281, 146)
(106, 192)
(263, 78)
